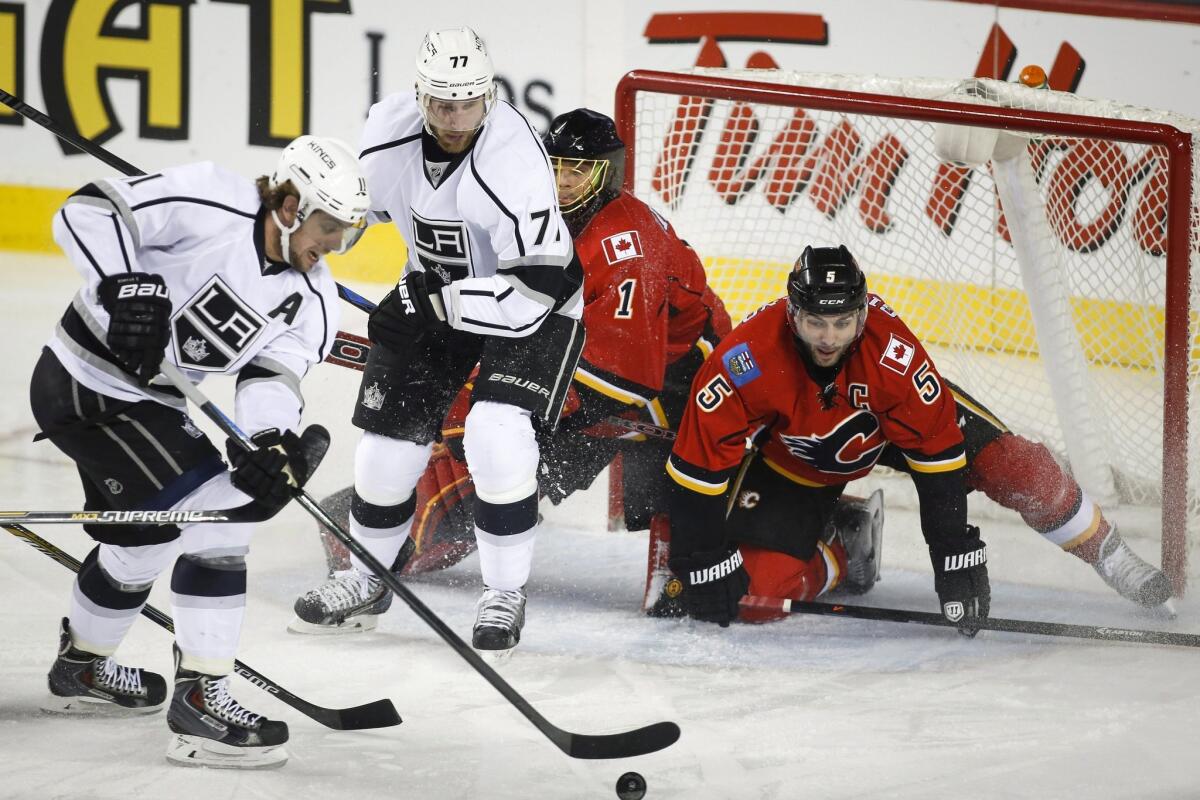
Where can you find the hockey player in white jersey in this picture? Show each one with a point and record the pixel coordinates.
(221, 275)
(491, 277)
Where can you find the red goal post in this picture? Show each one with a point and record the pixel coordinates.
(1041, 244)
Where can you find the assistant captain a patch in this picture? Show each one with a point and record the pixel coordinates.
(740, 365)
(898, 355)
(622, 247)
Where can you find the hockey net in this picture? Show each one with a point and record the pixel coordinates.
(1039, 243)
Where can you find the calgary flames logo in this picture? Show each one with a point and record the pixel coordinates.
(852, 446)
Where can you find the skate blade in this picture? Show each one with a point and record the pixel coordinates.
(1165, 611)
(196, 751)
(495, 656)
(92, 707)
(360, 624)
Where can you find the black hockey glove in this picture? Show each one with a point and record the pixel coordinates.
(139, 327)
(280, 463)
(713, 583)
(407, 311)
(960, 578)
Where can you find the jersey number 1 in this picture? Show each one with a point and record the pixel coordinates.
(626, 290)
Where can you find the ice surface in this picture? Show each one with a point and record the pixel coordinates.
(808, 707)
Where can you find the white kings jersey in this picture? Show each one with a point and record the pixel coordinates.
(233, 311)
(488, 222)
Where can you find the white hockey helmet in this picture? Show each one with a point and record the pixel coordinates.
(327, 176)
(453, 65)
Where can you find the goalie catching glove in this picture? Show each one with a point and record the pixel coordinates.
(139, 327)
(714, 582)
(960, 578)
(407, 311)
(279, 463)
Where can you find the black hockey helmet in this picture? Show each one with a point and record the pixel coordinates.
(585, 143)
(826, 280)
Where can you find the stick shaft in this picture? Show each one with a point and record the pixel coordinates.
(1103, 633)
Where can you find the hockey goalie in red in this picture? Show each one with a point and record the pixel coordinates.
(827, 383)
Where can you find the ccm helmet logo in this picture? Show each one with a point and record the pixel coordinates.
(142, 290)
(831, 302)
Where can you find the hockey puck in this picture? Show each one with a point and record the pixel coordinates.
(631, 786)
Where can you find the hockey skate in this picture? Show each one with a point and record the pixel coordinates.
(1131, 577)
(211, 729)
(499, 617)
(351, 601)
(859, 523)
(84, 683)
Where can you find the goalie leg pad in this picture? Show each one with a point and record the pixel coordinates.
(444, 526)
(775, 574)
(1022, 475)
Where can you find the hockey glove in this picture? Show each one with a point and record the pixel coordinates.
(713, 583)
(407, 311)
(960, 578)
(139, 328)
(279, 463)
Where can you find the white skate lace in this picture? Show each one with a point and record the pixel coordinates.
(220, 703)
(345, 590)
(499, 608)
(111, 675)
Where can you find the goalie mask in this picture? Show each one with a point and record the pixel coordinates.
(827, 304)
(455, 82)
(588, 159)
(326, 175)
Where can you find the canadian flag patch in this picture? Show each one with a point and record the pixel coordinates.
(898, 354)
(622, 246)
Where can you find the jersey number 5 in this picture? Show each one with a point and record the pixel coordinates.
(713, 394)
(928, 386)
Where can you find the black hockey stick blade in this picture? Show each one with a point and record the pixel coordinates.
(314, 444)
(649, 739)
(376, 714)
(1101, 633)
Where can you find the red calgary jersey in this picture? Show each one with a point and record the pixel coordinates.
(887, 391)
(646, 301)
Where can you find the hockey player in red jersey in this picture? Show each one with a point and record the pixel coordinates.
(828, 383)
(651, 319)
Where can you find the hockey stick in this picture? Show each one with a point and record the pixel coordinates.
(641, 741)
(647, 428)
(247, 513)
(1102, 633)
(376, 714)
(120, 165)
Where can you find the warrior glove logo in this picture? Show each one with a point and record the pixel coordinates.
(965, 560)
(953, 611)
(717, 571)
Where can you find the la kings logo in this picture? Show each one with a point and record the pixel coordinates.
(442, 246)
(214, 328)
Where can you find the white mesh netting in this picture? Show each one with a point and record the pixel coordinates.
(750, 184)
